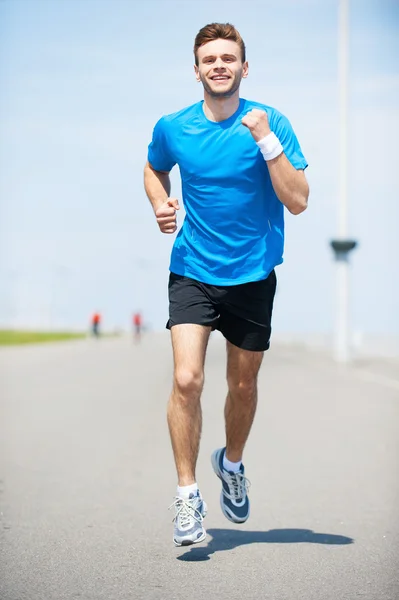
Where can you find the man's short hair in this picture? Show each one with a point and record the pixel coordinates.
(215, 31)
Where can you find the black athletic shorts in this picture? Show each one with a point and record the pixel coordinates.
(242, 313)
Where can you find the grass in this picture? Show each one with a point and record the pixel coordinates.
(10, 337)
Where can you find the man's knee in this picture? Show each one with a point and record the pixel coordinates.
(188, 383)
(243, 387)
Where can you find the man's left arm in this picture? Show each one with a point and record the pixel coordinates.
(289, 183)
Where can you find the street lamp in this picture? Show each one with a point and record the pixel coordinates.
(342, 245)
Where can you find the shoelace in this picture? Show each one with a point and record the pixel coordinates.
(238, 485)
(185, 511)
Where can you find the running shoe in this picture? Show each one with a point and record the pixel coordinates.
(189, 514)
(234, 499)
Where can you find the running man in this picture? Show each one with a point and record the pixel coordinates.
(95, 324)
(240, 164)
(137, 326)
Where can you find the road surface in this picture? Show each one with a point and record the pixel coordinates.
(87, 476)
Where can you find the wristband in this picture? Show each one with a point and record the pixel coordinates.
(270, 146)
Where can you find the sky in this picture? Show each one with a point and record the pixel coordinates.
(83, 83)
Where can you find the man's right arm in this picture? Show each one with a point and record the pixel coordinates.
(157, 187)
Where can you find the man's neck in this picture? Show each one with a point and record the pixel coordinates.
(220, 109)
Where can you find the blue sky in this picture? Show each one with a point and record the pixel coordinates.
(83, 83)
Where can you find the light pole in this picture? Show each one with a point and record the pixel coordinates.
(342, 245)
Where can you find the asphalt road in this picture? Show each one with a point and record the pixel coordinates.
(87, 476)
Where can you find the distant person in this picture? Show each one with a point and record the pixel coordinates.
(240, 165)
(137, 326)
(95, 324)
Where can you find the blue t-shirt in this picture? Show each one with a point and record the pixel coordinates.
(233, 231)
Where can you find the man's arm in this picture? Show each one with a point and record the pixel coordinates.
(289, 183)
(157, 187)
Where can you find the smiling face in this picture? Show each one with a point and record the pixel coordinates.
(220, 68)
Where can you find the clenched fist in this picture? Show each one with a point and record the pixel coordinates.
(258, 123)
(166, 215)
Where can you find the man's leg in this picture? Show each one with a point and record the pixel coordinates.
(184, 409)
(185, 419)
(242, 379)
(242, 373)
(245, 322)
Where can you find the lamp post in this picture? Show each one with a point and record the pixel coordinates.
(342, 244)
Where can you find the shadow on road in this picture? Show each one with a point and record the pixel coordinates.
(227, 539)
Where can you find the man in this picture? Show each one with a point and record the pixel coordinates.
(95, 324)
(137, 325)
(240, 164)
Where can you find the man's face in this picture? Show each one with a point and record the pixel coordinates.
(220, 68)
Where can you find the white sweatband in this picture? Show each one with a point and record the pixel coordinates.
(270, 146)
